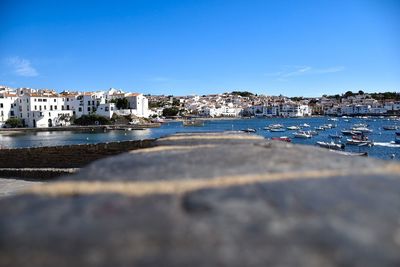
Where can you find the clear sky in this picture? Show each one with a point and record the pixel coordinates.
(294, 48)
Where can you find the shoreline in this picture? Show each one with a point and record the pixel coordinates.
(81, 128)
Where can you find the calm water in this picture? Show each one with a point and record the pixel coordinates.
(383, 149)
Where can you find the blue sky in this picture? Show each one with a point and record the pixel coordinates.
(294, 48)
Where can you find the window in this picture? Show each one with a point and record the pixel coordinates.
(67, 107)
(1, 105)
(49, 114)
(88, 103)
(80, 109)
(55, 100)
(93, 102)
(67, 99)
(106, 109)
(45, 100)
(51, 107)
(88, 109)
(44, 107)
(55, 107)
(62, 107)
(35, 107)
(39, 99)
(34, 99)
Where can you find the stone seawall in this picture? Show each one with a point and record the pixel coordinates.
(73, 156)
(210, 199)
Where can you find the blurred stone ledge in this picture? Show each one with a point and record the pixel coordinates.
(222, 199)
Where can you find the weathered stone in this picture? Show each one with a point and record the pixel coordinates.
(218, 203)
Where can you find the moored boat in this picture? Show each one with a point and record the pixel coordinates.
(193, 123)
(312, 133)
(282, 138)
(362, 154)
(390, 127)
(362, 129)
(273, 126)
(277, 130)
(359, 142)
(331, 145)
(302, 134)
(293, 128)
(249, 130)
(351, 132)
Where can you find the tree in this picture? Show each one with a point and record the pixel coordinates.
(169, 112)
(361, 92)
(348, 93)
(121, 103)
(14, 122)
(92, 119)
(243, 94)
(176, 102)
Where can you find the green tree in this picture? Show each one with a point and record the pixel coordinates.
(121, 103)
(168, 112)
(242, 93)
(92, 119)
(14, 122)
(348, 93)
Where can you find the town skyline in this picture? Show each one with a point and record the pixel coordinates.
(222, 91)
(178, 47)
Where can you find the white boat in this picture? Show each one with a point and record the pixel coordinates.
(359, 142)
(360, 125)
(362, 129)
(302, 134)
(332, 119)
(312, 133)
(305, 125)
(277, 130)
(274, 126)
(293, 128)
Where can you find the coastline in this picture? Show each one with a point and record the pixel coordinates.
(82, 128)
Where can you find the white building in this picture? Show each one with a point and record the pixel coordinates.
(46, 108)
(294, 110)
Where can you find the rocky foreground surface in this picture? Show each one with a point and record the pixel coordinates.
(210, 200)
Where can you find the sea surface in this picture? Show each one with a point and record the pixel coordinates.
(384, 147)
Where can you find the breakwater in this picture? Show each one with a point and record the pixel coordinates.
(82, 128)
(70, 156)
